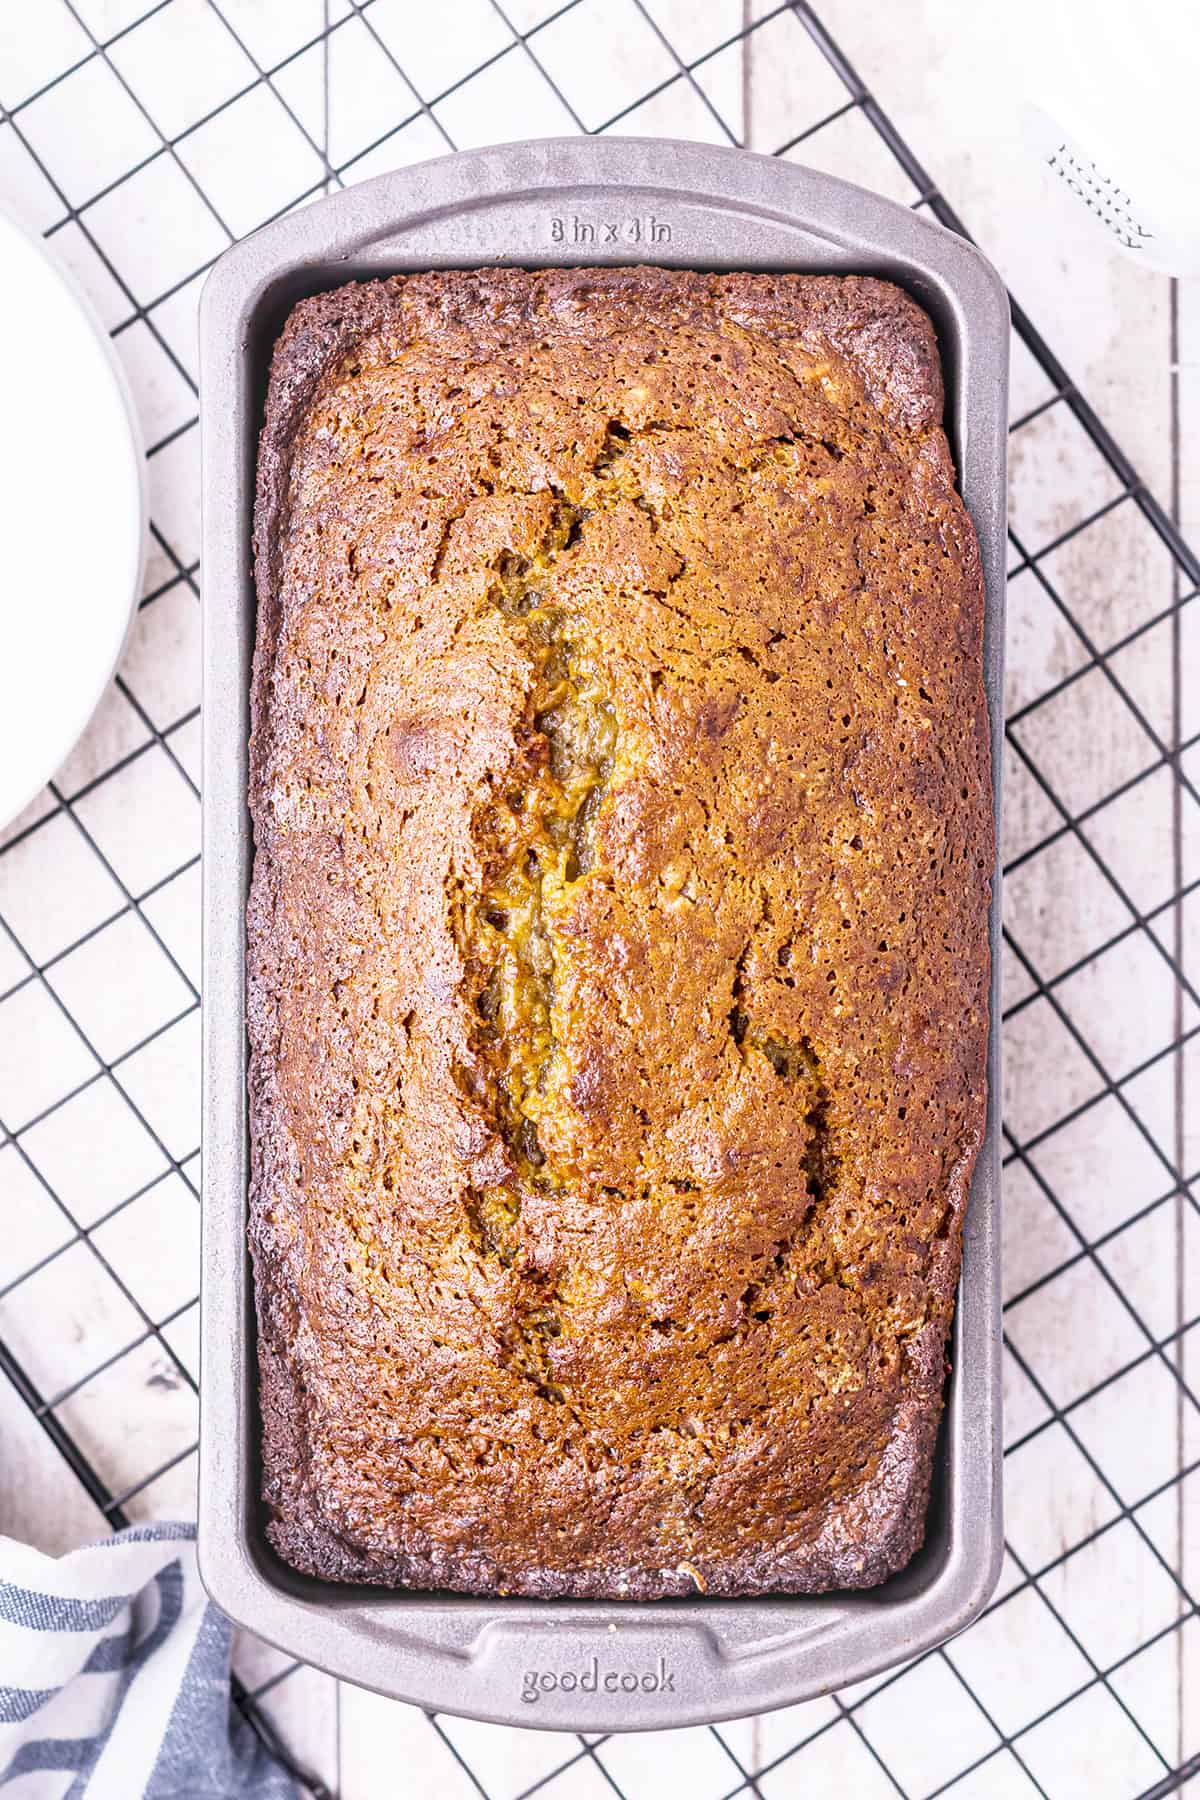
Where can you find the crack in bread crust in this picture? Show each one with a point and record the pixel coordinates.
(617, 952)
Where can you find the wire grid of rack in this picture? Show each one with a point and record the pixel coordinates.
(1077, 1678)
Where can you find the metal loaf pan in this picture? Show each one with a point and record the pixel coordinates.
(591, 1666)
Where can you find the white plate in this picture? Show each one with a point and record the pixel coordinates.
(72, 516)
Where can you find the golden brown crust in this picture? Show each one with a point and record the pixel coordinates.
(617, 941)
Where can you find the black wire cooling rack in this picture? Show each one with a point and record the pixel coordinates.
(1152, 931)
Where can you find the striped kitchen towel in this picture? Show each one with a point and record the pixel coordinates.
(114, 1677)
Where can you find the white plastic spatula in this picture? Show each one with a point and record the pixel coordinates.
(72, 516)
(1107, 96)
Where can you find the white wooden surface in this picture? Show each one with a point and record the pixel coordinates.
(1132, 344)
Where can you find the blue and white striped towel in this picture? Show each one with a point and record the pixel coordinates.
(114, 1677)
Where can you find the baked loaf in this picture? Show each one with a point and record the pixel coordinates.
(617, 944)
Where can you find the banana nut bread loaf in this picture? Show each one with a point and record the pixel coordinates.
(617, 942)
